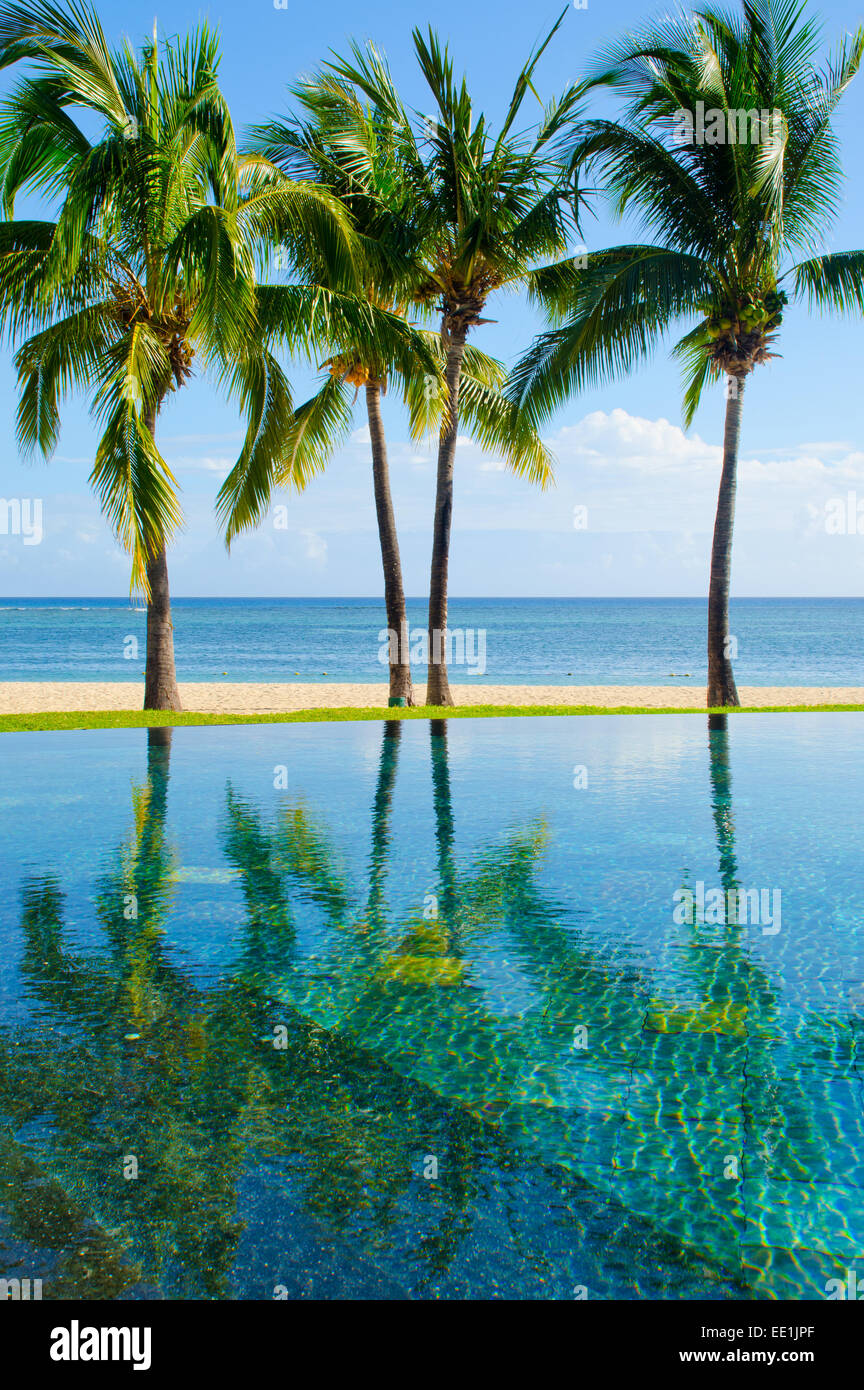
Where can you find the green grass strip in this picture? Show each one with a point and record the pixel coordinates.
(142, 719)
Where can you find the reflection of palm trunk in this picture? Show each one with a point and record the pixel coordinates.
(269, 929)
(443, 804)
(762, 1125)
(721, 799)
(381, 816)
(735, 963)
(158, 770)
(724, 974)
(42, 926)
(153, 863)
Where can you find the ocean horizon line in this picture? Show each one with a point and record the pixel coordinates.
(423, 598)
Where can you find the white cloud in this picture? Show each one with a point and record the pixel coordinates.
(649, 488)
(649, 446)
(315, 547)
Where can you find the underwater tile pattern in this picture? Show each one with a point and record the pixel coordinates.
(543, 1008)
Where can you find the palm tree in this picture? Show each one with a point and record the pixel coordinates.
(149, 265)
(313, 150)
(355, 152)
(731, 215)
(485, 208)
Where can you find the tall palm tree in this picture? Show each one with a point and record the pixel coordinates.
(486, 207)
(354, 150)
(731, 216)
(313, 149)
(148, 267)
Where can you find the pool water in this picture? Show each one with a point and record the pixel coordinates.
(522, 1008)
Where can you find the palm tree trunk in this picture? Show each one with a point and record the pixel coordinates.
(160, 677)
(721, 681)
(160, 680)
(394, 592)
(438, 686)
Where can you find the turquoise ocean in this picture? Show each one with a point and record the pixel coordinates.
(558, 641)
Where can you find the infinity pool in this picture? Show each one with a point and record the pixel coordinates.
(521, 1008)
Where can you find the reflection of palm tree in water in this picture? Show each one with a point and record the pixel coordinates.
(273, 869)
(425, 980)
(739, 1001)
(375, 984)
(380, 853)
(716, 963)
(151, 1068)
(452, 1019)
(444, 826)
(412, 1002)
(764, 1020)
(721, 798)
(197, 1087)
(186, 1080)
(740, 1005)
(427, 954)
(280, 871)
(121, 1087)
(728, 973)
(387, 996)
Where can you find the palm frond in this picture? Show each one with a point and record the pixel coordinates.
(834, 281)
(499, 426)
(265, 396)
(624, 301)
(70, 355)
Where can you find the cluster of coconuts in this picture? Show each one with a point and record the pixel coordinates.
(353, 372)
(754, 313)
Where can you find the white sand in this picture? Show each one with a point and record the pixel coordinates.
(34, 697)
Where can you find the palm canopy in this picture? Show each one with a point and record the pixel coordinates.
(355, 150)
(484, 207)
(731, 216)
(151, 262)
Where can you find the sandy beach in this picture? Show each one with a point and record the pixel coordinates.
(35, 697)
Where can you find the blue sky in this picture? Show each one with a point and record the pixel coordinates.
(648, 487)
